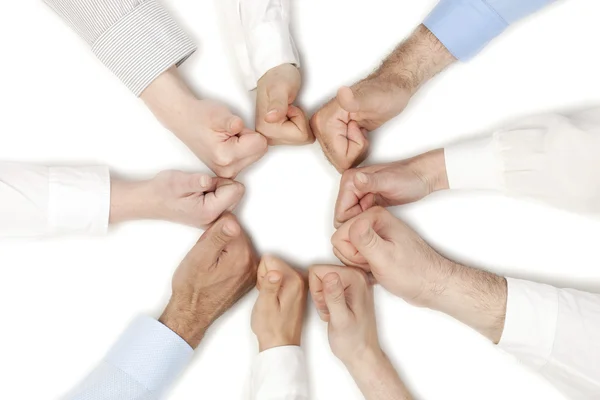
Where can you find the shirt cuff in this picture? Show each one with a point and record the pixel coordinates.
(280, 374)
(474, 164)
(531, 321)
(151, 354)
(465, 26)
(270, 44)
(78, 200)
(142, 45)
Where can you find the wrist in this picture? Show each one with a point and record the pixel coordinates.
(167, 97)
(431, 166)
(365, 362)
(272, 341)
(475, 297)
(130, 200)
(184, 323)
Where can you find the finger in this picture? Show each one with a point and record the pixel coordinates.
(270, 286)
(300, 121)
(225, 197)
(369, 182)
(335, 298)
(214, 240)
(357, 144)
(369, 244)
(347, 204)
(318, 296)
(277, 96)
(186, 183)
(226, 122)
(348, 253)
(348, 100)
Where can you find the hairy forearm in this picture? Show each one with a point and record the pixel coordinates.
(415, 61)
(377, 378)
(475, 297)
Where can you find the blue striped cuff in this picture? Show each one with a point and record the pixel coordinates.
(465, 27)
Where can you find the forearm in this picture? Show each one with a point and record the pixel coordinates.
(132, 200)
(377, 378)
(415, 61)
(474, 297)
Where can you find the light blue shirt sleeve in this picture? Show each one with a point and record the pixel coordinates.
(465, 27)
(141, 365)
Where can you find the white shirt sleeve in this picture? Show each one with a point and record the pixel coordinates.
(41, 200)
(553, 158)
(260, 34)
(279, 374)
(555, 332)
(142, 365)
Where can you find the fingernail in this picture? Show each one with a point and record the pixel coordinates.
(273, 111)
(229, 228)
(274, 278)
(205, 180)
(332, 282)
(362, 178)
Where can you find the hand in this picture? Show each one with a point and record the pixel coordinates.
(389, 184)
(214, 275)
(278, 314)
(277, 118)
(342, 125)
(185, 198)
(208, 128)
(344, 298)
(398, 258)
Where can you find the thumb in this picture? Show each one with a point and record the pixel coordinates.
(270, 285)
(278, 104)
(368, 243)
(335, 298)
(369, 182)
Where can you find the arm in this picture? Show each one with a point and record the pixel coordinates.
(40, 200)
(143, 46)
(136, 39)
(269, 60)
(279, 372)
(151, 354)
(344, 299)
(456, 29)
(551, 158)
(553, 331)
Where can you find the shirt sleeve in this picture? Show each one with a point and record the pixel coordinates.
(142, 365)
(40, 200)
(279, 374)
(555, 332)
(136, 39)
(552, 158)
(260, 34)
(465, 27)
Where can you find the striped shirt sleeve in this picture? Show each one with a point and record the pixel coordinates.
(136, 39)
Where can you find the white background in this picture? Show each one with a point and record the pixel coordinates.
(65, 300)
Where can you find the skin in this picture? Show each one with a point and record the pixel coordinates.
(277, 118)
(341, 126)
(278, 313)
(344, 298)
(406, 266)
(218, 271)
(208, 128)
(390, 184)
(193, 199)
